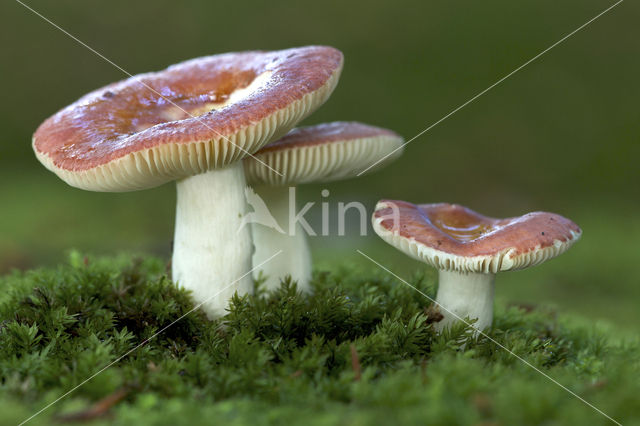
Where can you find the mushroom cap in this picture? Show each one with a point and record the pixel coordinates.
(323, 153)
(192, 117)
(454, 238)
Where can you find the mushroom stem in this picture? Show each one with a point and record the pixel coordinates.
(295, 259)
(212, 248)
(465, 295)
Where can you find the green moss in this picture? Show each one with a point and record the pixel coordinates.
(283, 357)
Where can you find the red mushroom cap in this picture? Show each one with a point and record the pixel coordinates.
(195, 116)
(322, 153)
(453, 237)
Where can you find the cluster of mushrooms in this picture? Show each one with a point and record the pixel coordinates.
(221, 123)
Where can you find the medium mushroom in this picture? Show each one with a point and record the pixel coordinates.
(469, 249)
(193, 123)
(321, 153)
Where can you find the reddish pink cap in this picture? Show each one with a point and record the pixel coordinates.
(453, 237)
(195, 116)
(321, 153)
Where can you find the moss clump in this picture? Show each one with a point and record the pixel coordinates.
(361, 349)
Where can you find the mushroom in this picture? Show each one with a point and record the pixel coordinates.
(321, 153)
(469, 249)
(193, 123)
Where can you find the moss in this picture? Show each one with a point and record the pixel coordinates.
(361, 349)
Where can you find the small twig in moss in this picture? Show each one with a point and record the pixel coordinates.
(423, 370)
(483, 404)
(98, 409)
(355, 363)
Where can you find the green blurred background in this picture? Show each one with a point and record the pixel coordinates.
(560, 135)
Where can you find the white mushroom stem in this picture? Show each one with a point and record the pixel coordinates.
(295, 259)
(212, 248)
(465, 295)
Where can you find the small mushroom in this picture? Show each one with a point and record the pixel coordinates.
(193, 123)
(469, 249)
(321, 153)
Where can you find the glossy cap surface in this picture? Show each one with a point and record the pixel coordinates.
(195, 116)
(453, 237)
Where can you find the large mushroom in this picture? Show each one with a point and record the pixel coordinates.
(469, 249)
(321, 153)
(193, 123)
